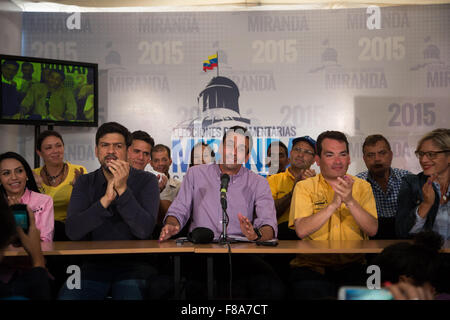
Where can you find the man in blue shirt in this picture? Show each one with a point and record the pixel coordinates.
(385, 181)
(115, 202)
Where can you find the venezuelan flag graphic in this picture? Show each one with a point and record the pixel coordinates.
(210, 63)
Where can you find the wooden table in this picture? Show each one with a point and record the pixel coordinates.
(105, 247)
(114, 247)
(153, 246)
(308, 247)
(296, 247)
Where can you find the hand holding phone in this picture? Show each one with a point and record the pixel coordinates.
(21, 216)
(31, 241)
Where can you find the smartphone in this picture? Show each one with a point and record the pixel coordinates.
(363, 293)
(21, 216)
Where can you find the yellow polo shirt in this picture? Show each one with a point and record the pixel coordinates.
(62, 192)
(280, 185)
(314, 194)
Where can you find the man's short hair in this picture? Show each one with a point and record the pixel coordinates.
(46, 134)
(144, 136)
(60, 72)
(113, 127)
(334, 135)
(239, 130)
(373, 139)
(11, 62)
(280, 145)
(26, 64)
(161, 148)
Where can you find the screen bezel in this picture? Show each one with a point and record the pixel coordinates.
(48, 122)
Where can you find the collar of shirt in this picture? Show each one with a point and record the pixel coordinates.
(324, 182)
(26, 196)
(4, 80)
(289, 174)
(233, 177)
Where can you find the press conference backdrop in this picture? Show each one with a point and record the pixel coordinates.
(281, 73)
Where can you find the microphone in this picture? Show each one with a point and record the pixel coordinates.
(201, 235)
(224, 180)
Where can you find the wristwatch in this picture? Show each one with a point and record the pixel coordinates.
(258, 234)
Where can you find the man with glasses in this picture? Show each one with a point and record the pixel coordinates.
(282, 184)
(115, 202)
(385, 181)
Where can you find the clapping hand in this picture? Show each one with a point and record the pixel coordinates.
(344, 188)
(428, 191)
(120, 171)
(78, 173)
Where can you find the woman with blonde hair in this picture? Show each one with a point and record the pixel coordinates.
(424, 198)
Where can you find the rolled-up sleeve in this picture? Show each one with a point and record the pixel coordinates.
(182, 205)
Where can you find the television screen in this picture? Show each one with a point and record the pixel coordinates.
(38, 91)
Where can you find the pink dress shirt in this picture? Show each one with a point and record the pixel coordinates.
(42, 207)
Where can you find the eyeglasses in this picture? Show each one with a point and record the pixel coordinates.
(304, 151)
(430, 154)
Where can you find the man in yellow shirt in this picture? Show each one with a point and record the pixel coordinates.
(331, 206)
(282, 184)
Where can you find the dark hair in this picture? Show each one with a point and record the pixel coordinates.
(31, 183)
(12, 62)
(161, 148)
(60, 72)
(26, 64)
(203, 144)
(46, 134)
(419, 260)
(144, 136)
(280, 144)
(7, 223)
(334, 135)
(373, 139)
(239, 130)
(113, 127)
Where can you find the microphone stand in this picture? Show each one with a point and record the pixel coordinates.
(223, 239)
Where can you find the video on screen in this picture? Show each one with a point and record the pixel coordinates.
(47, 92)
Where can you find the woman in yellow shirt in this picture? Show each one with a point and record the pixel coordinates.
(56, 178)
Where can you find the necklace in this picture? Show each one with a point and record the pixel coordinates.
(445, 194)
(52, 179)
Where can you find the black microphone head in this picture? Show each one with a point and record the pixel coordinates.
(224, 179)
(201, 235)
